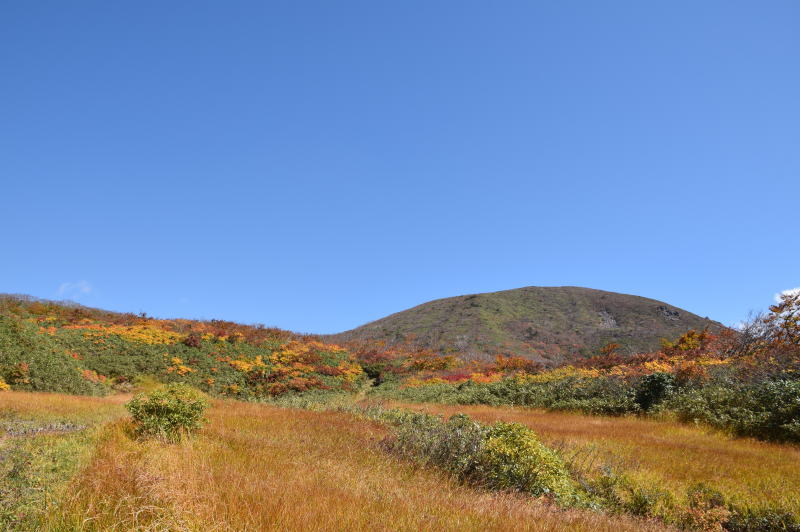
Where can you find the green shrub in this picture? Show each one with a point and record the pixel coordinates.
(513, 457)
(505, 456)
(600, 396)
(767, 410)
(653, 389)
(765, 520)
(168, 413)
(620, 493)
(452, 445)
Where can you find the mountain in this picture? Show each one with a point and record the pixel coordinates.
(547, 324)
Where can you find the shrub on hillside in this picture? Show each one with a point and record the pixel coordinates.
(169, 413)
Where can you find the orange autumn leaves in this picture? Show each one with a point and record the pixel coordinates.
(299, 366)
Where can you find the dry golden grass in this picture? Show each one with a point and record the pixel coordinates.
(659, 453)
(52, 406)
(44, 440)
(257, 467)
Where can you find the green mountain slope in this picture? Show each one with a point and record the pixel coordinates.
(548, 324)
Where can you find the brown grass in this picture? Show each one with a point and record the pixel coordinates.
(256, 467)
(52, 406)
(673, 456)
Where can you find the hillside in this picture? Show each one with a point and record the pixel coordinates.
(69, 348)
(551, 325)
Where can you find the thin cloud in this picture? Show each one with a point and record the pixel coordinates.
(74, 290)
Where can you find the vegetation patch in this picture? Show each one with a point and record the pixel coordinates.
(169, 413)
(47, 346)
(44, 441)
(503, 456)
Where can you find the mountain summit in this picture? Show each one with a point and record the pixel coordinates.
(547, 324)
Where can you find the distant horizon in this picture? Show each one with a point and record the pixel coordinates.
(300, 331)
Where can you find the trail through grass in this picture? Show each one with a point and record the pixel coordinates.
(44, 439)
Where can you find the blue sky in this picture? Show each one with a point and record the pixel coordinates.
(317, 165)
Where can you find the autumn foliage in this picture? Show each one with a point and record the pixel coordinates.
(110, 350)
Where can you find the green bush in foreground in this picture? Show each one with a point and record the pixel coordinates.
(168, 413)
(513, 457)
(504, 456)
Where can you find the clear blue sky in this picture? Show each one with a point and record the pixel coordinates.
(317, 165)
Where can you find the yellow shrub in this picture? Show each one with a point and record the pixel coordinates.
(562, 373)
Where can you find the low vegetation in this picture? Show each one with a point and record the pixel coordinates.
(169, 413)
(46, 346)
(499, 468)
(260, 467)
(504, 456)
(44, 440)
(662, 469)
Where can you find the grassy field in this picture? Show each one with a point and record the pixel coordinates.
(69, 463)
(258, 467)
(44, 440)
(664, 455)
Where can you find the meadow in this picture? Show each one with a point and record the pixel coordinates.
(267, 467)
(666, 457)
(256, 467)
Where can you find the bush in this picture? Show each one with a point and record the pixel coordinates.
(505, 456)
(653, 389)
(452, 445)
(621, 493)
(168, 413)
(769, 410)
(764, 520)
(514, 458)
(707, 509)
